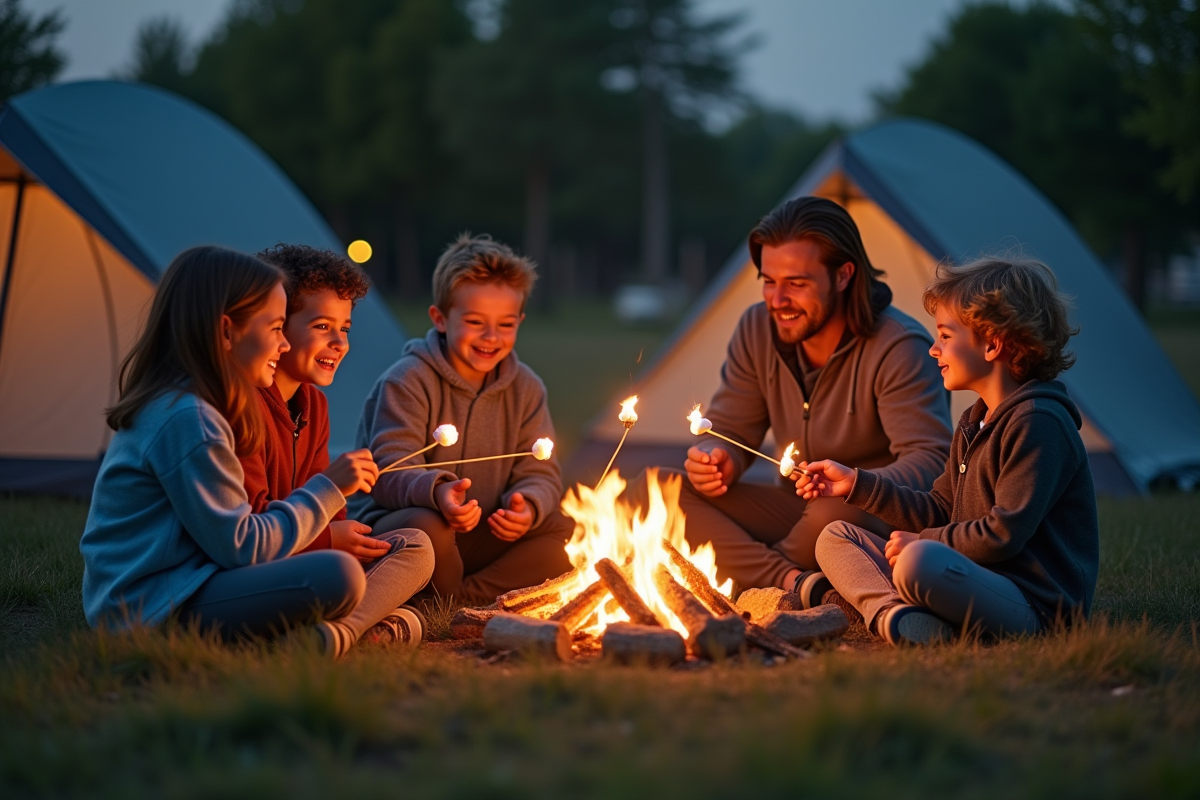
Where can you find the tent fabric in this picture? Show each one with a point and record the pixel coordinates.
(921, 193)
(102, 183)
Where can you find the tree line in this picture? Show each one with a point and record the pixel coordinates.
(596, 134)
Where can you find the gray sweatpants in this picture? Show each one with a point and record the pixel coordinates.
(928, 574)
(761, 532)
(264, 599)
(476, 566)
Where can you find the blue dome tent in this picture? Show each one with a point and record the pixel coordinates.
(920, 193)
(102, 183)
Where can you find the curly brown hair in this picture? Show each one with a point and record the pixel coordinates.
(1015, 300)
(309, 269)
(480, 259)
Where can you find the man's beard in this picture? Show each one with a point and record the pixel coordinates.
(808, 323)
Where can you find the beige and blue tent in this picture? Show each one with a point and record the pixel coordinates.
(102, 183)
(921, 193)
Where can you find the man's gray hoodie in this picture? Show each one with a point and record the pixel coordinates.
(878, 403)
(1016, 496)
(421, 391)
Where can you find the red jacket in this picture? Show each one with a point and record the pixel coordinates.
(296, 448)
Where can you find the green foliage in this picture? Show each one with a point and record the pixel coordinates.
(1156, 46)
(28, 56)
(1026, 82)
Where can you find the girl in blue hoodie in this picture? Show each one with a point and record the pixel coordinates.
(170, 529)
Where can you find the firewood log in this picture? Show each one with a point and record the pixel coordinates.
(530, 637)
(806, 627)
(717, 603)
(709, 636)
(467, 623)
(698, 583)
(627, 643)
(581, 606)
(530, 606)
(516, 596)
(614, 579)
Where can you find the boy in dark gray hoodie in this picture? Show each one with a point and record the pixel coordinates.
(464, 372)
(1008, 540)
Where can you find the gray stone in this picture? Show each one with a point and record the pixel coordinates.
(762, 602)
(805, 627)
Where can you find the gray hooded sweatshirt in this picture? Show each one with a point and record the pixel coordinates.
(1016, 496)
(421, 391)
(878, 402)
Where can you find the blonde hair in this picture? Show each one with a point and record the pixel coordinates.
(480, 259)
(1015, 300)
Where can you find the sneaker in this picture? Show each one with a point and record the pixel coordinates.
(333, 639)
(812, 586)
(405, 626)
(834, 598)
(904, 624)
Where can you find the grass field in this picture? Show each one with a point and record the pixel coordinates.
(1110, 709)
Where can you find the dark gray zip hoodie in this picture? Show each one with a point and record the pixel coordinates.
(1016, 497)
(421, 391)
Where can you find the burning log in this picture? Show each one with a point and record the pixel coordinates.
(718, 604)
(509, 601)
(698, 583)
(581, 607)
(707, 635)
(532, 637)
(761, 603)
(627, 643)
(535, 606)
(806, 627)
(468, 623)
(615, 581)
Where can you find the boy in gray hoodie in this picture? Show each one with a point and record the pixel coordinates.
(1008, 539)
(464, 372)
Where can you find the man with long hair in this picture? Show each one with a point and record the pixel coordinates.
(824, 361)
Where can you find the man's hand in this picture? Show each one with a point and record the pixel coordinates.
(352, 472)
(899, 541)
(461, 514)
(510, 524)
(709, 472)
(353, 537)
(824, 479)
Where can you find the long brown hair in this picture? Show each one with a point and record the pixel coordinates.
(833, 230)
(180, 348)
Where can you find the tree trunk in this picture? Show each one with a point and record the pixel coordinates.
(537, 226)
(655, 197)
(1134, 258)
(406, 277)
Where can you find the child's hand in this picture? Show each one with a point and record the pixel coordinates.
(709, 472)
(899, 541)
(510, 524)
(352, 472)
(461, 514)
(825, 479)
(352, 537)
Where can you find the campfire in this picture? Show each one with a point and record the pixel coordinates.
(637, 589)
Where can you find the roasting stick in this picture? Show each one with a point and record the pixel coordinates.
(542, 449)
(701, 425)
(445, 435)
(627, 416)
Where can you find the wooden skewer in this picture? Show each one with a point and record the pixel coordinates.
(394, 468)
(394, 464)
(604, 474)
(776, 462)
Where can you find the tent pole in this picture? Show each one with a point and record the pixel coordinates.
(12, 252)
(114, 346)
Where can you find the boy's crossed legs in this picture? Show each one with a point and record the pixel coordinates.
(477, 566)
(927, 574)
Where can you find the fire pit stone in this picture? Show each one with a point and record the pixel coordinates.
(760, 603)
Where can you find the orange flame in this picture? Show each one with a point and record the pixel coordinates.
(608, 526)
(628, 415)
